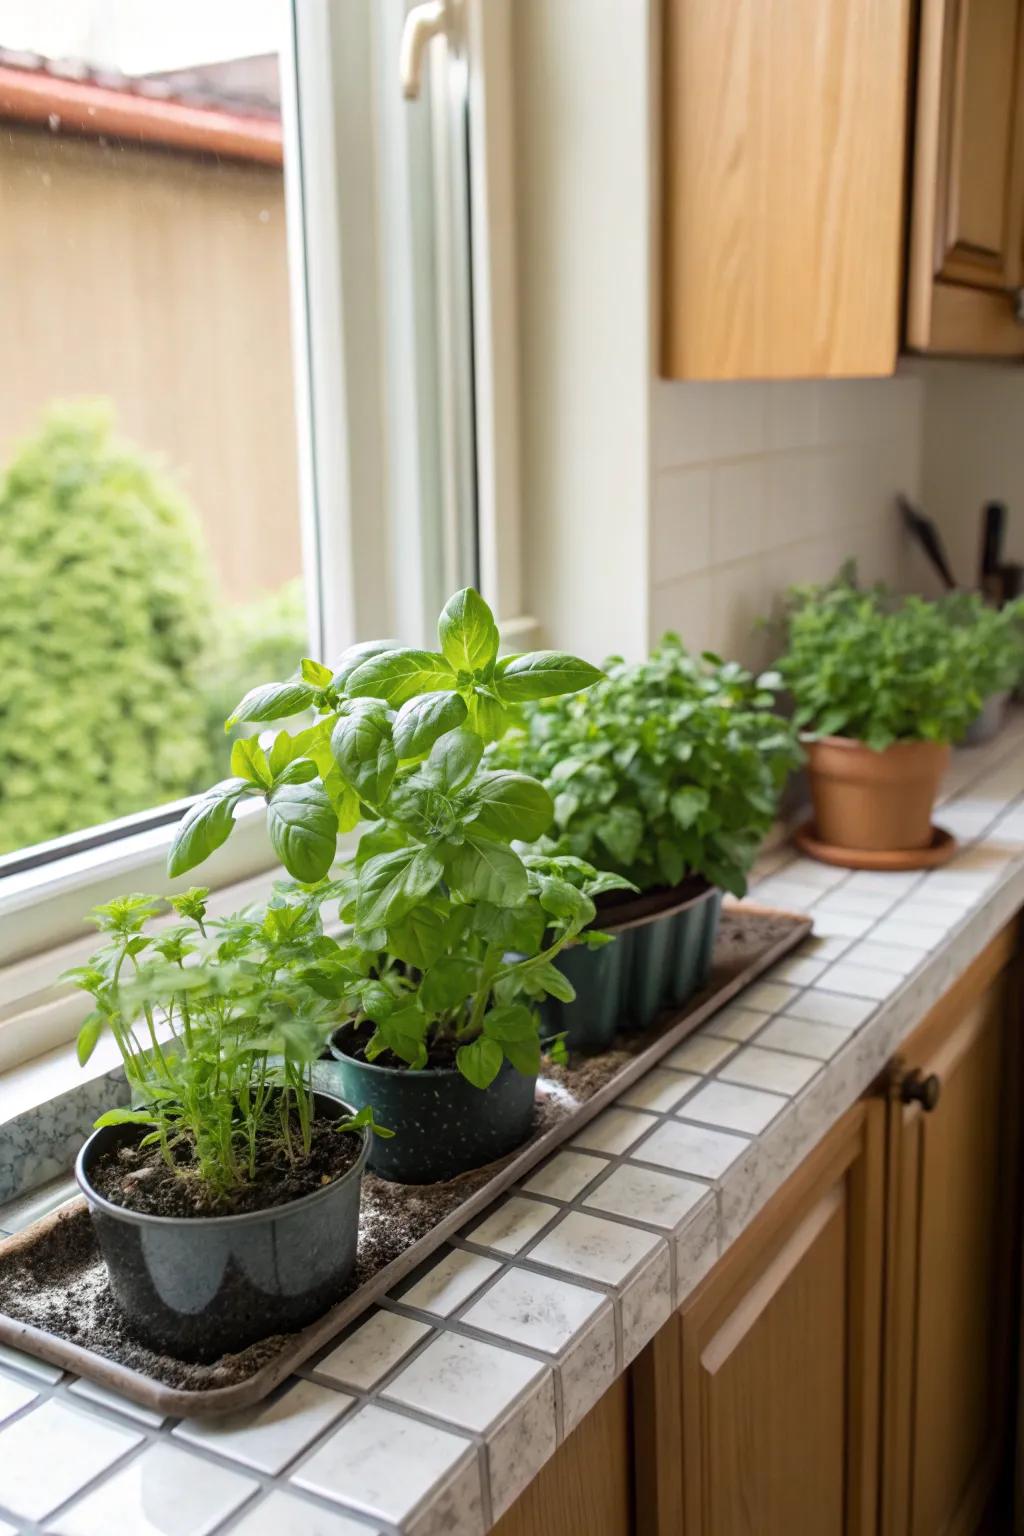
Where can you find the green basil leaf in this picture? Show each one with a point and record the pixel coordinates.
(396, 676)
(391, 884)
(419, 939)
(480, 870)
(249, 761)
(125, 1117)
(542, 675)
(448, 983)
(688, 805)
(524, 1055)
(480, 1061)
(621, 830)
(511, 805)
(510, 1021)
(423, 719)
(303, 829)
(301, 771)
(287, 748)
(453, 760)
(467, 632)
(88, 1037)
(354, 656)
(364, 751)
(553, 981)
(273, 701)
(205, 825)
(519, 929)
(404, 1032)
(315, 673)
(487, 717)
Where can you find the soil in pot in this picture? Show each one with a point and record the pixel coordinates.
(199, 1282)
(874, 800)
(660, 956)
(443, 1124)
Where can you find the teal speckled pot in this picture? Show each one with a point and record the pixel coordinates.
(443, 1125)
(657, 960)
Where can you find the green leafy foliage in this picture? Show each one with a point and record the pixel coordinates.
(451, 924)
(996, 637)
(218, 1025)
(877, 668)
(105, 613)
(669, 766)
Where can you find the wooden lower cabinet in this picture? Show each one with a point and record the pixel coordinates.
(848, 1367)
(950, 1340)
(769, 1376)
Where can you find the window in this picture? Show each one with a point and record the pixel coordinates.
(237, 412)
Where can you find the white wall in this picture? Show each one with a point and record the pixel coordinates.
(583, 230)
(973, 453)
(758, 486)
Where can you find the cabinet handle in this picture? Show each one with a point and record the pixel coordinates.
(918, 1089)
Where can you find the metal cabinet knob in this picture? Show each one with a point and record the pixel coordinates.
(918, 1089)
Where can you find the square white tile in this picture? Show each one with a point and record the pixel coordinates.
(859, 981)
(464, 1381)
(701, 1053)
(593, 1248)
(450, 1282)
(368, 1353)
(537, 1310)
(910, 935)
(659, 1089)
(270, 1435)
(107, 1399)
(646, 1301)
(521, 1443)
(384, 1463)
(737, 1024)
(810, 872)
(163, 1492)
(798, 972)
(755, 1067)
(840, 925)
(886, 957)
(40, 1369)
(288, 1514)
(830, 1008)
(564, 1175)
(934, 914)
(767, 996)
(804, 1038)
(695, 1149)
(734, 1108)
(47, 1455)
(614, 1131)
(14, 1395)
(509, 1228)
(696, 1245)
(855, 903)
(660, 1199)
(791, 895)
(880, 882)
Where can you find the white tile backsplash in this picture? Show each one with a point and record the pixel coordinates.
(756, 486)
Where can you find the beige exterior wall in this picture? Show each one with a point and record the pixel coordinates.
(159, 280)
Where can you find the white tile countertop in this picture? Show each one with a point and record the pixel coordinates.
(437, 1409)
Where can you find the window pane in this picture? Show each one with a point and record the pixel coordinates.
(150, 553)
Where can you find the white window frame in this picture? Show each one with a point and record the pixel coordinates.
(360, 488)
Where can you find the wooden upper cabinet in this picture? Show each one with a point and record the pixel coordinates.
(965, 266)
(783, 169)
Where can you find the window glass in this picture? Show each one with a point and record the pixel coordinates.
(150, 551)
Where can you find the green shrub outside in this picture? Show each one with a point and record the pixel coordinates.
(108, 616)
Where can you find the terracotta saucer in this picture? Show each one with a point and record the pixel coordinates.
(941, 848)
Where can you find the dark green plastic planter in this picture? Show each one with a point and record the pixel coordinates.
(657, 960)
(443, 1125)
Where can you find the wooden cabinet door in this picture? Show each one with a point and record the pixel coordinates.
(952, 1222)
(782, 192)
(767, 1418)
(968, 193)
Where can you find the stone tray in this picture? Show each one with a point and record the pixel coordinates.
(54, 1295)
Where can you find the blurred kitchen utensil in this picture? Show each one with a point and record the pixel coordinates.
(927, 535)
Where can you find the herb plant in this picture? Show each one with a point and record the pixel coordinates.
(878, 668)
(670, 766)
(218, 1027)
(996, 638)
(453, 930)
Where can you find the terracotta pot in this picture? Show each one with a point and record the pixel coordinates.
(874, 800)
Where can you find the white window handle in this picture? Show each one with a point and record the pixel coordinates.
(422, 25)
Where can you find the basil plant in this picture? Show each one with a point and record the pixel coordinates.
(454, 931)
